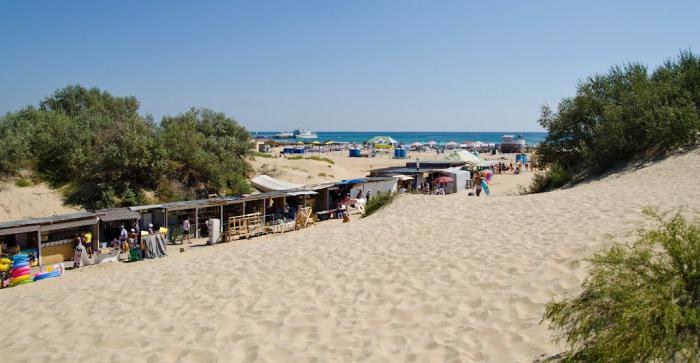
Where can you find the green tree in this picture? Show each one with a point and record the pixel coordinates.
(641, 302)
(207, 151)
(624, 115)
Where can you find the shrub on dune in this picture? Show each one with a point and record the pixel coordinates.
(641, 302)
(377, 202)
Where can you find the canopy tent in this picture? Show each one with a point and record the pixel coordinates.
(265, 183)
(463, 156)
(382, 140)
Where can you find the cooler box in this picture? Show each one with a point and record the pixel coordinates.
(400, 153)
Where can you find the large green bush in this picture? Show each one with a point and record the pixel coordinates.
(641, 302)
(106, 154)
(624, 115)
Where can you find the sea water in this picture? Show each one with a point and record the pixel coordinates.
(532, 138)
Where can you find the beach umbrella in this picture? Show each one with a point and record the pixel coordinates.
(443, 180)
(315, 143)
(382, 140)
(416, 144)
(463, 156)
(451, 144)
(330, 142)
(432, 143)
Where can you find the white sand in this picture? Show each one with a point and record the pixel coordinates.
(430, 278)
(30, 202)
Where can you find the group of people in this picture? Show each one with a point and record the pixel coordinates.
(127, 240)
(502, 168)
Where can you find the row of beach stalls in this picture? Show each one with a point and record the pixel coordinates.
(51, 239)
(454, 172)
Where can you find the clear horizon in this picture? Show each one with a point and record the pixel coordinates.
(361, 66)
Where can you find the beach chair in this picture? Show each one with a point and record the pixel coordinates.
(304, 218)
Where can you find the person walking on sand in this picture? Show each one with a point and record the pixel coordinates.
(186, 231)
(477, 183)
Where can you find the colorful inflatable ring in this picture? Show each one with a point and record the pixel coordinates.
(21, 273)
(19, 269)
(19, 256)
(22, 283)
(18, 279)
(5, 261)
(20, 264)
(4, 267)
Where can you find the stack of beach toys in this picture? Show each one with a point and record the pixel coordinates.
(21, 271)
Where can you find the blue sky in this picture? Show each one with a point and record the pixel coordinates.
(335, 65)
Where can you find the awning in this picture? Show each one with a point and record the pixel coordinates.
(402, 177)
(265, 183)
(302, 192)
(117, 214)
(351, 181)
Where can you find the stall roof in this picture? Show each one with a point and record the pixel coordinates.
(48, 220)
(213, 202)
(117, 214)
(266, 183)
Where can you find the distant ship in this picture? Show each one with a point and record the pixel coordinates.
(305, 134)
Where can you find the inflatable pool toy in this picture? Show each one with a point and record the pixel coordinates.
(20, 278)
(20, 264)
(5, 261)
(21, 283)
(47, 275)
(21, 271)
(20, 256)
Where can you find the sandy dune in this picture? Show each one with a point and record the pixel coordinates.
(30, 202)
(429, 279)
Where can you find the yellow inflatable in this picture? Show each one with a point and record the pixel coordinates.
(5, 261)
(4, 267)
(18, 279)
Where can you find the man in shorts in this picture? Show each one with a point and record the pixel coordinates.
(186, 231)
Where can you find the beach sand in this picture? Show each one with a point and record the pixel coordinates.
(427, 279)
(31, 202)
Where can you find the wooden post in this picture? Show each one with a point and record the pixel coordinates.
(38, 235)
(264, 213)
(221, 225)
(196, 223)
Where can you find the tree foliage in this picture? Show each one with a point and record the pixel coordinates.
(107, 154)
(624, 115)
(641, 302)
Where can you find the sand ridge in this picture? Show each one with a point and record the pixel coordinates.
(428, 279)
